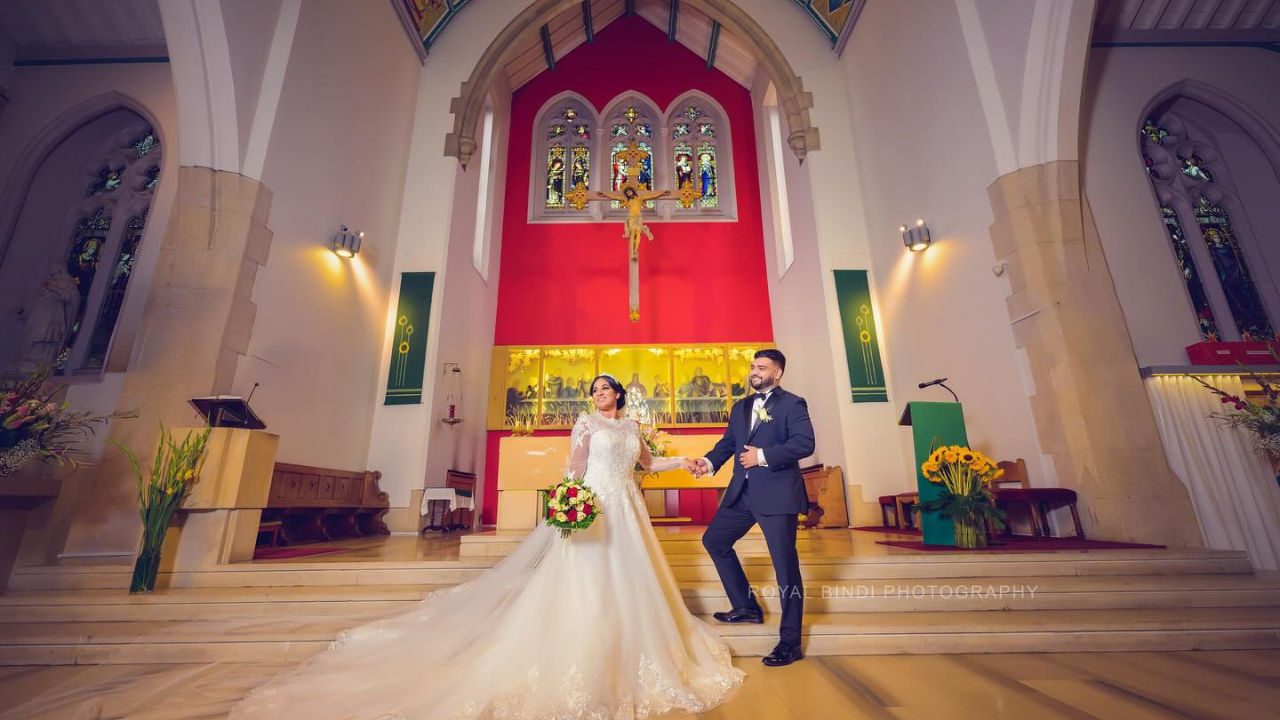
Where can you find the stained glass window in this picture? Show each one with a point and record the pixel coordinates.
(108, 181)
(1233, 271)
(145, 143)
(645, 130)
(1153, 132)
(707, 177)
(1190, 277)
(692, 113)
(680, 130)
(618, 131)
(153, 178)
(631, 114)
(618, 171)
(579, 166)
(683, 156)
(1193, 167)
(82, 265)
(1149, 163)
(706, 129)
(555, 177)
(109, 310)
(569, 130)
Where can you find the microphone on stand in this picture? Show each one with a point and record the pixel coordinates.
(255, 387)
(940, 381)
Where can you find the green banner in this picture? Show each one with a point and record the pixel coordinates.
(861, 337)
(409, 352)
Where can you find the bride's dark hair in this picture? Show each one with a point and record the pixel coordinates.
(613, 383)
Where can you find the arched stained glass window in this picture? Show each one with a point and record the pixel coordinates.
(566, 136)
(109, 310)
(1185, 168)
(1233, 271)
(630, 120)
(697, 131)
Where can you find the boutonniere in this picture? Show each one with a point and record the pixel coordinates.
(762, 414)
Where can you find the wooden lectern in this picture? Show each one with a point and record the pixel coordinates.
(929, 420)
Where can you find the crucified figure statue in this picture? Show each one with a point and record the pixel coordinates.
(634, 201)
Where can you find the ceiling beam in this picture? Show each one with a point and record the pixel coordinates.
(630, 7)
(546, 48)
(588, 27)
(672, 19)
(712, 42)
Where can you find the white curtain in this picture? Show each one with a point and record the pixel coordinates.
(1234, 491)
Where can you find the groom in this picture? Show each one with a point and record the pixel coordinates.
(768, 434)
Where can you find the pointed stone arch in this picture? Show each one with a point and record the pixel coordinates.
(793, 100)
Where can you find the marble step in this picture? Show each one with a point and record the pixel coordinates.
(686, 566)
(1005, 593)
(825, 634)
(702, 597)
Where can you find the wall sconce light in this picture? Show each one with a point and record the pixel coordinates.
(916, 238)
(346, 243)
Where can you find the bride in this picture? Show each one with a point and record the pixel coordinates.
(592, 626)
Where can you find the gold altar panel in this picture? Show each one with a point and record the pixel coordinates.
(701, 390)
(541, 388)
(566, 385)
(647, 369)
(740, 358)
(516, 401)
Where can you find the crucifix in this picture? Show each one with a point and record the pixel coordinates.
(633, 197)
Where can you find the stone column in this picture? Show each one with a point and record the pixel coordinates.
(195, 326)
(1091, 412)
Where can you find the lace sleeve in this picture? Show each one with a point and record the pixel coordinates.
(579, 446)
(651, 463)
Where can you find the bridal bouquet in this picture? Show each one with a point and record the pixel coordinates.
(571, 506)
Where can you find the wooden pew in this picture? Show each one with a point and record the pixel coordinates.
(825, 487)
(315, 504)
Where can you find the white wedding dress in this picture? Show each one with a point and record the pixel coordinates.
(592, 626)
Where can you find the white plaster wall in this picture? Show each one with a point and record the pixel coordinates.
(1121, 83)
(923, 150)
(250, 26)
(337, 155)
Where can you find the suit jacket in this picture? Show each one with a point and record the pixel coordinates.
(777, 489)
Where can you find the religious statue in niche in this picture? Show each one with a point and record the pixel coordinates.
(47, 319)
(632, 195)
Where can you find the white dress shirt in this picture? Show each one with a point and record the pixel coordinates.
(755, 408)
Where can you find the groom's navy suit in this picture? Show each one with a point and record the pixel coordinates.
(771, 496)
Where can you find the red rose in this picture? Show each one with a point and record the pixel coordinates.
(572, 515)
(550, 512)
(572, 492)
(586, 509)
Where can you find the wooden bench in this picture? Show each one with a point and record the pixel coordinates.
(825, 488)
(313, 504)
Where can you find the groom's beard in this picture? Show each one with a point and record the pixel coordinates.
(760, 386)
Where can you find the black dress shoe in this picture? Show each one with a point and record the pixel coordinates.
(783, 654)
(737, 615)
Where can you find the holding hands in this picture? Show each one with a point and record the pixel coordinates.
(696, 467)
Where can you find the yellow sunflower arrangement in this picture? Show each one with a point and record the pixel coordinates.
(965, 475)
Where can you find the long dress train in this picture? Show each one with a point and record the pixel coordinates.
(592, 626)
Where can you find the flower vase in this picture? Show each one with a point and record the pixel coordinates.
(145, 569)
(970, 532)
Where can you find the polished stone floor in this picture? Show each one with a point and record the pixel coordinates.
(1107, 686)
